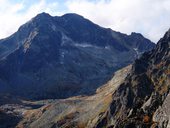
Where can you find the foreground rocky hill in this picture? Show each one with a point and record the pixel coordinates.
(59, 57)
(136, 97)
(143, 99)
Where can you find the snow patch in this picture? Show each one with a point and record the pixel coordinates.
(62, 56)
(85, 45)
(53, 27)
(137, 52)
(65, 40)
(107, 47)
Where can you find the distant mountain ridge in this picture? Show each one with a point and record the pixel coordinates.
(58, 57)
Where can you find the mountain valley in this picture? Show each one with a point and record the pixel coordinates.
(67, 72)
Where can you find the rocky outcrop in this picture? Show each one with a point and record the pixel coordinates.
(59, 57)
(141, 101)
(162, 114)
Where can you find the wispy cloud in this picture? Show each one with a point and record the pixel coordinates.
(14, 14)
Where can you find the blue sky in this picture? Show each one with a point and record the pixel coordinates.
(149, 17)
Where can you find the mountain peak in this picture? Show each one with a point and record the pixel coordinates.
(167, 35)
(67, 15)
(73, 53)
(74, 15)
(164, 42)
(43, 14)
(136, 34)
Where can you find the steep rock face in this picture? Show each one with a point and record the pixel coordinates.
(162, 114)
(141, 101)
(58, 57)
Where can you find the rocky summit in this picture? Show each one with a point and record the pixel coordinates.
(59, 57)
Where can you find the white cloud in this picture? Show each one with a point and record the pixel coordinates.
(149, 17)
(14, 15)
